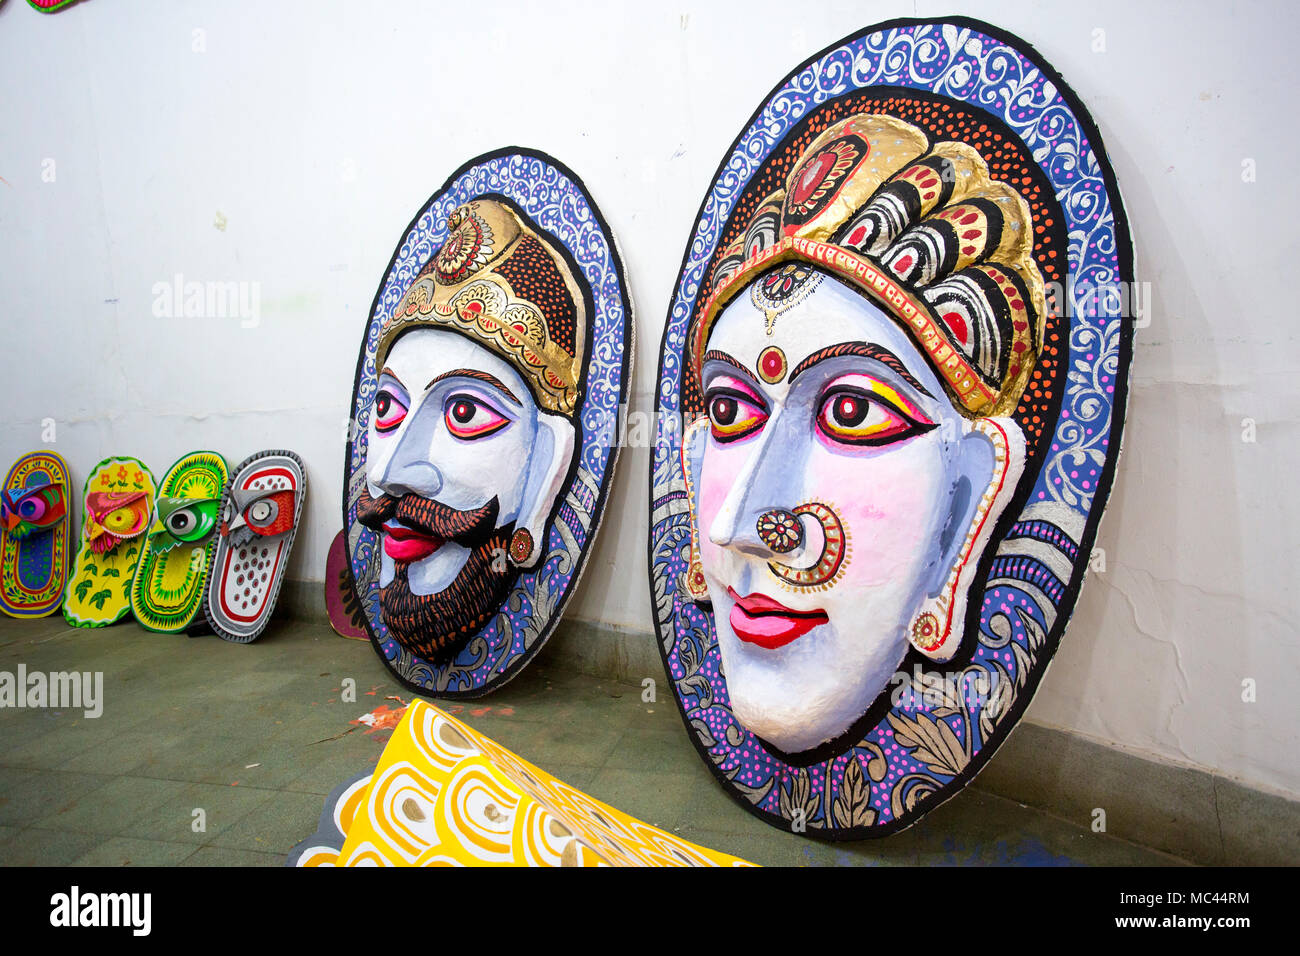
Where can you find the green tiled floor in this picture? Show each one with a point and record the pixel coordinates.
(254, 736)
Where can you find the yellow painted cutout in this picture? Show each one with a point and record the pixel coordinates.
(445, 795)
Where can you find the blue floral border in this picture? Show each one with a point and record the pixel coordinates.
(557, 202)
(921, 752)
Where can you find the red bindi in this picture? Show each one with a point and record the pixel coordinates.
(772, 365)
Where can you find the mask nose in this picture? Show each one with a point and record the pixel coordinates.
(757, 490)
(408, 470)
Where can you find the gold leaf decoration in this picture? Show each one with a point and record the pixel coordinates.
(878, 766)
(799, 796)
(852, 807)
(934, 743)
(909, 791)
(999, 702)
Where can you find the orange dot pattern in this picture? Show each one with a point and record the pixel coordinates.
(533, 276)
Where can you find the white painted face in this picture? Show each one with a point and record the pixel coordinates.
(455, 423)
(848, 427)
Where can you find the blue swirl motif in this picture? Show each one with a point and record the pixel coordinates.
(931, 734)
(557, 205)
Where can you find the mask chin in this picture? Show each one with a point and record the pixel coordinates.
(990, 460)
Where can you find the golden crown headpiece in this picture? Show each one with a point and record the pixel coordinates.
(504, 284)
(925, 232)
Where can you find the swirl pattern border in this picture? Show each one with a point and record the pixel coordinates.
(932, 739)
(559, 203)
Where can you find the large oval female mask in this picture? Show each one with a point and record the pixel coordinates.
(890, 399)
(486, 396)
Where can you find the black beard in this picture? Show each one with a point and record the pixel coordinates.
(436, 626)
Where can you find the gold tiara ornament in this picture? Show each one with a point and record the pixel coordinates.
(923, 230)
(502, 283)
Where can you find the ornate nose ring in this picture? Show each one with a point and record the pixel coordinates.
(780, 530)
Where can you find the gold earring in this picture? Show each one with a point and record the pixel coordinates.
(521, 546)
(693, 580)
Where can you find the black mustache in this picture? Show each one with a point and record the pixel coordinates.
(433, 518)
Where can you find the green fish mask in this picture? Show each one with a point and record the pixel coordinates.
(183, 521)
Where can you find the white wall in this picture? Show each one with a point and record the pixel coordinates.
(313, 130)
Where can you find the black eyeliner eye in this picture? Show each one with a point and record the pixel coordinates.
(382, 402)
(463, 411)
(733, 417)
(849, 410)
(852, 416)
(723, 410)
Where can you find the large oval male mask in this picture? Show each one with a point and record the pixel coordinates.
(873, 521)
(484, 410)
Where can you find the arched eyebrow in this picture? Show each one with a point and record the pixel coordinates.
(393, 375)
(868, 350)
(745, 383)
(713, 355)
(477, 375)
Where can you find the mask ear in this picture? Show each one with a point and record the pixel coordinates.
(547, 469)
(694, 440)
(991, 457)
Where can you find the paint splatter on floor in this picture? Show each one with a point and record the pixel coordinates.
(382, 717)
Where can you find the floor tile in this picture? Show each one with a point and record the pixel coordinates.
(275, 827)
(227, 856)
(255, 736)
(125, 851)
(653, 748)
(33, 847)
(645, 794)
(28, 795)
(108, 809)
(176, 820)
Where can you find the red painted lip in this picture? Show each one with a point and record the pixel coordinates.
(759, 619)
(405, 544)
